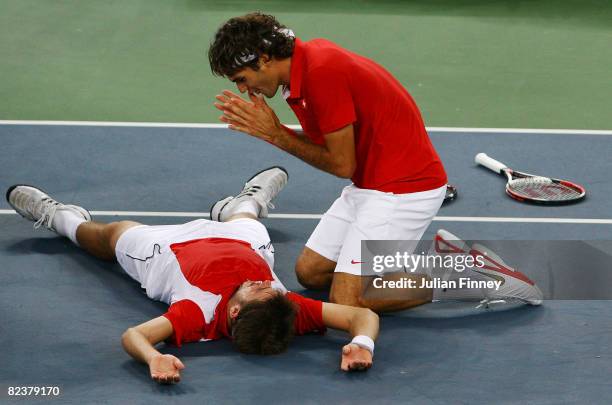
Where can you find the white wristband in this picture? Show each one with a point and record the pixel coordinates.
(365, 342)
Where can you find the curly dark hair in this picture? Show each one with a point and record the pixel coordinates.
(240, 42)
(264, 327)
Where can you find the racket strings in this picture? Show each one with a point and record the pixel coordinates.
(543, 188)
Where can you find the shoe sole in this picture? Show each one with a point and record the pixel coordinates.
(269, 168)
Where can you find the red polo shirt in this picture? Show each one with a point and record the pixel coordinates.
(219, 266)
(331, 87)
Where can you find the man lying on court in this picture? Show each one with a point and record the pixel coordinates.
(217, 278)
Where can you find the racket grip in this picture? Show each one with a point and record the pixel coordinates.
(489, 162)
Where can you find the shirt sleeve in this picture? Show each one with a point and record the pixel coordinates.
(329, 97)
(309, 317)
(187, 321)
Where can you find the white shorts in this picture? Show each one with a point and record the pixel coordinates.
(362, 214)
(144, 251)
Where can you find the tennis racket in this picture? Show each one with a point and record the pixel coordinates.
(536, 189)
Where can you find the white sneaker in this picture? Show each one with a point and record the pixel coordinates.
(35, 205)
(261, 188)
(515, 285)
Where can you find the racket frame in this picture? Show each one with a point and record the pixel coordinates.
(511, 175)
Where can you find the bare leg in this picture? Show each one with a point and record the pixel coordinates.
(100, 239)
(358, 291)
(313, 270)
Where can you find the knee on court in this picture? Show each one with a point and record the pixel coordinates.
(310, 267)
(304, 271)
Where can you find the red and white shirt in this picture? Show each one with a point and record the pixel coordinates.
(202, 276)
(331, 87)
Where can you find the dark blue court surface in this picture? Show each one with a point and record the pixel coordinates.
(63, 312)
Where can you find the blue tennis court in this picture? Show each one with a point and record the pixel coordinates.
(63, 312)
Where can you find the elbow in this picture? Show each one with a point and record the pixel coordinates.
(375, 322)
(369, 315)
(345, 170)
(127, 336)
(364, 320)
(373, 316)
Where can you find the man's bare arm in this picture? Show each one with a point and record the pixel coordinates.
(337, 156)
(354, 320)
(257, 119)
(139, 343)
(360, 323)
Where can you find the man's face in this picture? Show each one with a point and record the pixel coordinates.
(255, 291)
(262, 81)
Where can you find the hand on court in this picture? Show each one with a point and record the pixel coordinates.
(355, 358)
(165, 369)
(253, 117)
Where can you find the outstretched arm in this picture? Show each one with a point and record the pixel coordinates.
(362, 324)
(139, 342)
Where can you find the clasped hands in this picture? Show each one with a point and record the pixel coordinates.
(253, 117)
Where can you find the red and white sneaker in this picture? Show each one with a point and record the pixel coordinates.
(447, 243)
(515, 285)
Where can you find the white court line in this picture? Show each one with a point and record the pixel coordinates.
(318, 216)
(115, 124)
(535, 131)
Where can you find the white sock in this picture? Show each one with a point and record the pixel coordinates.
(248, 206)
(66, 223)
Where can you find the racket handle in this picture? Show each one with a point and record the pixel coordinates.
(489, 162)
